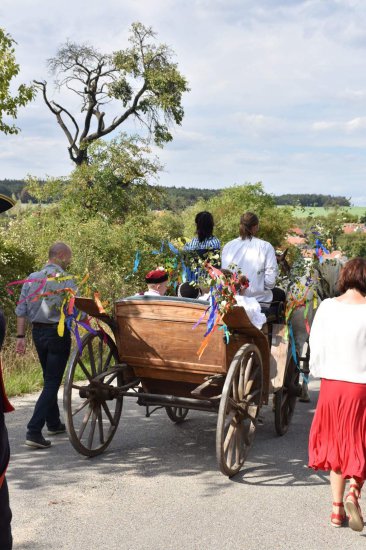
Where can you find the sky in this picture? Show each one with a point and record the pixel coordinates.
(278, 88)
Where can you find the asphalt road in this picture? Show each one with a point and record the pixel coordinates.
(157, 487)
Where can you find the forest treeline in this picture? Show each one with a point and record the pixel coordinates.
(178, 198)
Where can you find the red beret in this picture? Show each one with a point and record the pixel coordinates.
(156, 276)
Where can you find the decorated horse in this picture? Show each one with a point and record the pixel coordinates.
(307, 283)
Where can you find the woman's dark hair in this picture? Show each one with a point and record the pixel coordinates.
(247, 222)
(204, 223)
(353, 275)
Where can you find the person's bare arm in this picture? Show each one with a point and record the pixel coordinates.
(21, 342)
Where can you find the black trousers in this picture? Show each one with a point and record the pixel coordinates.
(5, 512)
(6, 539)
(53, 352)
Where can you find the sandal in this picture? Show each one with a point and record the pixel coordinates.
(337, 520)
(353, 508)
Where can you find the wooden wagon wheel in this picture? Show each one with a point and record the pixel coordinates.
(285, 398)
(239, 407)
(176, 414)
(92, 411)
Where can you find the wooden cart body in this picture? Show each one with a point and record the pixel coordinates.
(154, 358)
(159, 338)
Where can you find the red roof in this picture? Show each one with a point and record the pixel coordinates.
(296, 240)
(354, 227)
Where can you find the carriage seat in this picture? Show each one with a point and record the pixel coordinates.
(141, 297)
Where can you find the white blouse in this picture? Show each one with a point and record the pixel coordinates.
(257, 260)
(338, 342)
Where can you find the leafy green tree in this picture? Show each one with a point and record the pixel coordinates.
(353, 244)
(142, 78)
(328, 228)
(9, 69)
(114, 183)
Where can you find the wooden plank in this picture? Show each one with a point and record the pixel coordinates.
(278, 358)
(161, 343)
(87, 305)
(158, 334)
(177, 376)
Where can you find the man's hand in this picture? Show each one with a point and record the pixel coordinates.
(21, 345)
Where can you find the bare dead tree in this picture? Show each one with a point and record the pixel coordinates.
(143, 79)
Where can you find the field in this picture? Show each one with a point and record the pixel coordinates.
(303, 212)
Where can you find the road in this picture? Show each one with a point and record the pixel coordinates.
(157, 488)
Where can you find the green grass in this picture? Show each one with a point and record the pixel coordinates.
(20, 381)
(22, 374)
(303, 212)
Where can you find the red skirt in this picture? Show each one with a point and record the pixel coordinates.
(337, 439)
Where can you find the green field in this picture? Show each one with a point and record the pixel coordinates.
(303, 212)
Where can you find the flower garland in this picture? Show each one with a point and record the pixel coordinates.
(224, 285)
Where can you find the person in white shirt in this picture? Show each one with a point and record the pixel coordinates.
(157, 282)
(256, 259)
(337, 440)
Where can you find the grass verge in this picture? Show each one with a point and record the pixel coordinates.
(22, 374)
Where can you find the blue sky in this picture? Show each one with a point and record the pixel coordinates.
(278, 88)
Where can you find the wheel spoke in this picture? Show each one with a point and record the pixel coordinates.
(241, 386)
(84, 422)
(92, 430)
(108, 360)
(84, 369)
(100, 426)
(248, 370)
(108, 413)
(238, 445)
(252, 395)
(229, 435)
(231, 447)
(100, 355)
(92, 358)
(81, 406)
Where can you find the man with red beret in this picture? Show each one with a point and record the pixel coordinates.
(6, 541)
(157, 282)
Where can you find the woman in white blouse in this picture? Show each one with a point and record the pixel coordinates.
(337, 441)
(255, 258)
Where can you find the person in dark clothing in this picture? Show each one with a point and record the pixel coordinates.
(5, 512)
(6, 540)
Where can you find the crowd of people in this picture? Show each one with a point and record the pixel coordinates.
(337, 440)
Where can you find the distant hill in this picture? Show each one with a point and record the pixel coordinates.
(306, 199)
(178, 198)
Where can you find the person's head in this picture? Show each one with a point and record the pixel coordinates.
(249, 225)
(353, 276)
(157, 280)
(186, 290)
(204, 225)
(60, 254)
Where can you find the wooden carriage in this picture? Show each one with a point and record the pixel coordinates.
(153, 357)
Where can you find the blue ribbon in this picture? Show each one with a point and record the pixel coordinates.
(319, 246)
(293, 350)
(136, 262)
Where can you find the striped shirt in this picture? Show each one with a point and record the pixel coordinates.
(211, 243)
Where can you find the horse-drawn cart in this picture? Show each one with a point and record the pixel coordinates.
(153, 358)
